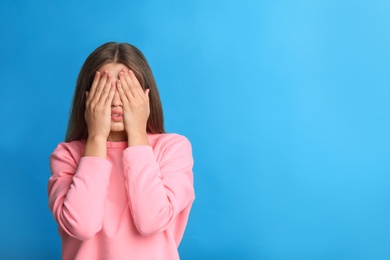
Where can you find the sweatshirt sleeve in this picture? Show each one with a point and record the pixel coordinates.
(77, 191)
(159, 191)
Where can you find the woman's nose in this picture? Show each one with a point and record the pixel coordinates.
(116, 101)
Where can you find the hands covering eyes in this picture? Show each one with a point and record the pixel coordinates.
(135, 104)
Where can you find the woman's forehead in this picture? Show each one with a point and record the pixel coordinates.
(113, 68)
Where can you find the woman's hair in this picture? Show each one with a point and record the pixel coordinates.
(119, 53)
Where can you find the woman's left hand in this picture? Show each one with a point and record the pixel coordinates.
(136, 110)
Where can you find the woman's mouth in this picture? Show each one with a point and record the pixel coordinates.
(116, 116)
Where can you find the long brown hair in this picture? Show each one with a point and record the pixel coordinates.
(120, 53)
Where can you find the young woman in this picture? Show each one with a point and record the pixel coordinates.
(121, 188)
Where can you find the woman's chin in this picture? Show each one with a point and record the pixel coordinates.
(117, 127)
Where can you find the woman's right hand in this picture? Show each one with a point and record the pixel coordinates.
(98, 107)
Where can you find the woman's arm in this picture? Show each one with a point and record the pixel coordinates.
(78, 187)
(159, 192)
(77, 191)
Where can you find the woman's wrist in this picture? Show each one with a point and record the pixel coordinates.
(96, 146)
(136, 138)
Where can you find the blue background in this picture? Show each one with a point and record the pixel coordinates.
(286, 104)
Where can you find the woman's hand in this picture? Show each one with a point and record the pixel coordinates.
(98, 114)
(98, 106)
(135, 102)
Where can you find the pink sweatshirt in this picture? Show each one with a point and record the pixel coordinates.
(133, 205)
